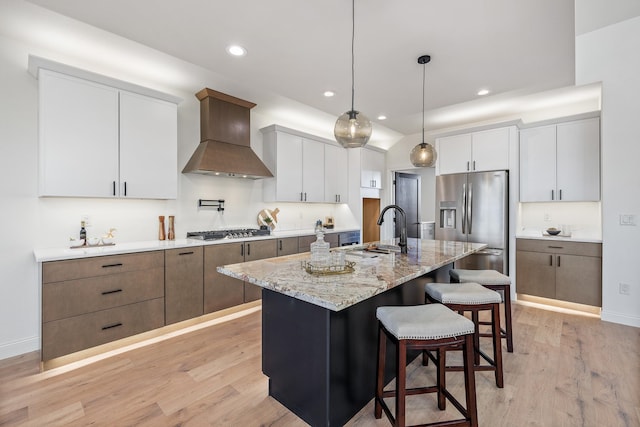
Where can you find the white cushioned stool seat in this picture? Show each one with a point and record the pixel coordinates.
(484, 277)
(424, 322)
(462, 293)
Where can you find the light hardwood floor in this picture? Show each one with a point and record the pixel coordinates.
(566, 370)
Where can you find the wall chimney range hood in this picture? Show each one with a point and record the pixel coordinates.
(225, 131)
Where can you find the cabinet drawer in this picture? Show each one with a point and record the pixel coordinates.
(559, 247)
(57, 271)
(77, 333)
(80, 296)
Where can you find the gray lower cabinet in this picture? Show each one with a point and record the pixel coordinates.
(183, 283)
(222, 291)
(287, 246)
(92, 301)
(568, 271)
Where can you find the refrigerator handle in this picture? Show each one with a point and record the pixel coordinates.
(464, 208)
(470, 209)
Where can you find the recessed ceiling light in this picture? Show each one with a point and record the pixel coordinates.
(329, 93)
(382, 117)
(482, 92)
(236, 50)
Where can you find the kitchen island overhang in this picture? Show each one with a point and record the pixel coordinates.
(319, 332)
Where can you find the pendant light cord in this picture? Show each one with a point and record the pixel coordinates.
(424, 67)
(353, 37)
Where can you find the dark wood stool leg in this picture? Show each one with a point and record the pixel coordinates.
(507, 317)
(382, 351)
(401, 382)
(476, 336)
(497, 344)
(441, 382)
(470, 382)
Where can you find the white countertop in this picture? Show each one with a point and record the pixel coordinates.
(57, 254)
(576, 236)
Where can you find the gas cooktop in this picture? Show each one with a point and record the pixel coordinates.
(227, 234)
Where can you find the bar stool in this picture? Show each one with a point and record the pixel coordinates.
(496, 281)
(474, 298)
(431, 327)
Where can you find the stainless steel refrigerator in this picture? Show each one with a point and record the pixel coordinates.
(474, 207)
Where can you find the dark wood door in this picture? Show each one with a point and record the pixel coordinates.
(222, 291)
(183, 283)
(536, 274)
(260, 249)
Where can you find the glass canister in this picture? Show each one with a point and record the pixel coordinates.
(320, 256)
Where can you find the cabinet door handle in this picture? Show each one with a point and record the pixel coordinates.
(115, 291)
(186, 253)
(467, 165)
(558, 260)
(248, 249)
(119, 264)
(551, 260)
(114, 325)
(125, 188)
(552, 195)
(305, 197)
(474, 165)
(280, 245)
(560, 194)
(114, 188)
(242, 249)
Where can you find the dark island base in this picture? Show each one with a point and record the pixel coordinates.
(321, 363)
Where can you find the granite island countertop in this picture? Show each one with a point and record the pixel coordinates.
(373, 273)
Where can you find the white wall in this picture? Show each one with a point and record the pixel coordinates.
(610, 55)
(30, 222)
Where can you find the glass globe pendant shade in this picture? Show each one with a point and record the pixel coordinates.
(423, 155)
(353, 129)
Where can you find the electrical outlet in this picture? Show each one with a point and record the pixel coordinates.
(547, 217)
(624, 289)
(627, 219)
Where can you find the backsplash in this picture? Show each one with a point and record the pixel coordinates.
(584, 218)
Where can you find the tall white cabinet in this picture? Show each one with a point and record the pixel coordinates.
(560, 162)
(99, 140)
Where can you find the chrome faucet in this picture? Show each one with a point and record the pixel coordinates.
(403, 229)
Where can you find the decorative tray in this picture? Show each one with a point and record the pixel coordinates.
(345, 268)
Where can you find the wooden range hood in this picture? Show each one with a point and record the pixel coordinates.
(225, 131)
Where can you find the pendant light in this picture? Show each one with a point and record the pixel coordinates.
(352, 129)
(423, 155)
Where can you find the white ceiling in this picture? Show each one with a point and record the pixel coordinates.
(298, 49)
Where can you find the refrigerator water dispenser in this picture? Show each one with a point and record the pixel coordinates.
(447, 215)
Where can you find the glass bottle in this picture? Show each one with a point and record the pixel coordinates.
(320, 256)
(83, 232)
(171, 235)
(161, 234)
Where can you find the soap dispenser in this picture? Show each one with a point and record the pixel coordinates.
(320, 256)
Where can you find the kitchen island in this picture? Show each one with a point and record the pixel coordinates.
(319, 333)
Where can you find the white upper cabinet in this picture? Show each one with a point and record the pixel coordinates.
(305, 168)
(560, 162)
(148, 149)
(372, 168)
(336, 174)
(78, 137)
(96, 140)
(474, 152)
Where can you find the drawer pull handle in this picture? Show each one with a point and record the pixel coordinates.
(119, 264)
(555, 247)
(115, 325)
(186, 253)
(115, 291)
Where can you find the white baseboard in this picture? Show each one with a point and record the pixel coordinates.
(19, 347)
(623, 319)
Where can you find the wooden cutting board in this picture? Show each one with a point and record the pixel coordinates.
(271, 214)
